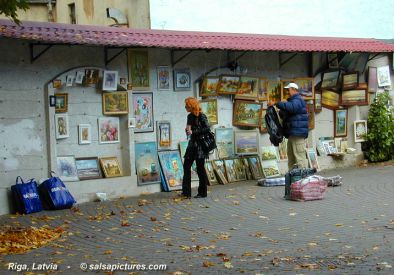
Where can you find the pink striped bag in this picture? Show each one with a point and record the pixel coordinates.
(308, 189)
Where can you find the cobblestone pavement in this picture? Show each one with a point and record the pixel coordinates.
(238, 228)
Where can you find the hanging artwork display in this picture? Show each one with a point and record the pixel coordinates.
(330, 99)
(182, 80)
(340, 123)
(163, 78)
(138, 65)
(209, 86)
(84, 134)
(146, 163)
(246, 142)
(360, 130)
(383, 75)
(263, 126)
(116, 103)
(61, 102)
(88, 168)
(108, 129)
(349, 81)
(284, 93)
(172, 167)
(306, 87)
(273, 91)
(246, 113)
(163, 134)
(110, 80)
(263, 89)
(210, 108)
(62, 126)
(354, 97)
(143, 112)
(224, 142)
(111, 167)
(228, 84)
(330, 79)
(91, 76)
(248, 88)
(372, 80)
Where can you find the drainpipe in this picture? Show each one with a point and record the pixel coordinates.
(50, 11)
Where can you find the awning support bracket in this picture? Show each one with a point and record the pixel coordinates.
(281, 63)
(106, 50)
(180, 58)
(35, 57)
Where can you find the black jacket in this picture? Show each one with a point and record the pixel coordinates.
(200, 126)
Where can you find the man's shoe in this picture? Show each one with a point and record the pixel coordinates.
(199, 196)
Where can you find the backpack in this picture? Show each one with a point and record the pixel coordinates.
(274, 127)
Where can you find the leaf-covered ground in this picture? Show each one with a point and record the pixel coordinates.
(238, 228)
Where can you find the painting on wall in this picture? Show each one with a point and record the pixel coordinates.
(306, 87)
(372, 80)
(274, 91)
(61, 100)
(284, 93)
(108, 130)
(263, 89)
(84, 134)
(163, 78)
(360, 130)
(163, 134)
(88, 168)
(224, 141)
(143, 112)
(246, 142)
(138, 67)
(91, 76)
(383, 75)
(182, 80)
(349, 81)
(111, 167)
(209, 86)
(263, 126)
(66, 168)
(248, 88)
(330, 79)
(146, 163)
(116, 103)
(210, 108)
(354, 97)
(110, 80)
(340, 123)
(61, 126)
(246, 113)
(172, 167)
(330, 99)
(228, 84)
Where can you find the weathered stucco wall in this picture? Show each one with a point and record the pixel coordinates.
(25, 148)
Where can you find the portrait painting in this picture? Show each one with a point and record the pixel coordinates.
(147, 163)
(62, 128)
(138, 67)
(143, 112)
(172, 167)
(84, 134)
(163, 78)
(115, 103)
(210, 108)
(91, 76)
(111, 167)
(108, 130)
(88, 168)
(66, 168)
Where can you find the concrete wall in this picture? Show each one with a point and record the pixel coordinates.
(27, 143)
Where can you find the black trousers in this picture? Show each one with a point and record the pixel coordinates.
(202, 177)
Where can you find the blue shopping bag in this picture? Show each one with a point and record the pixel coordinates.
(26, 197)
(55, 194)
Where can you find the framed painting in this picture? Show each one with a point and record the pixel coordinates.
(91, 76)
(69, 80)
(318, 104)
(354, 97)
(284, 93)
(248, 88)
(111, 167)
(163, 78)
(138, 67)
(110, 80)
(231, 173)
(246, 113)
(66, 168)
(383, 75)
(57, 83)
(61, 126)
(310, 107)
(88, 168)
(312, 158)
(360, 130)
(116, 103)
(61, 100)
(146, 163)
(255, 167)
(268, 153)
(163, 134)
(330, 99)
(274, 90)
(228, 84)
(263, 89)
(340, 123)
(372, 80)
(282, 148)
(349, 81)
(143, 112)
(220, 170)
(84, 134)
(225, 142)
(182, 80)
(263, 126)
(306, 87)
(332, 60)
(209, 86)
(79, 77)
(246, 142)
(240, 169)
(172, 167)
(108, 130)
(210, 173)
(330, 79)
(270, 168)
(248, 172)
(210, 108)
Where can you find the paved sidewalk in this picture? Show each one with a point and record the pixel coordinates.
(239, 228)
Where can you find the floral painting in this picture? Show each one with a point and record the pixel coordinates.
(108, 129)
(143, 112)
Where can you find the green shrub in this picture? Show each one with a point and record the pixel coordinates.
(380, 136)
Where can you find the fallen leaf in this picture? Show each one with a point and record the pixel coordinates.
(339, 225)
(207, 264)
(153, 219)
(228, 265)
(107, 252)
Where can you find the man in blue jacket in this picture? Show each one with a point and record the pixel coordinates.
(295, 125)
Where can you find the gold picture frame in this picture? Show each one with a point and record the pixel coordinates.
(138, 64)
(61, 105)
(115, 103)
(110, 167)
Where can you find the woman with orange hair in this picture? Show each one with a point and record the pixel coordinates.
(197, 125)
